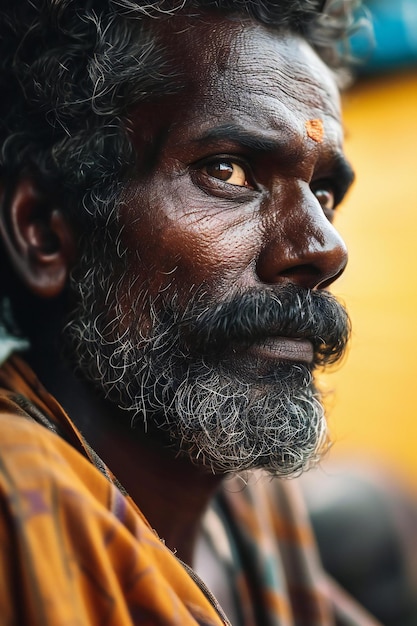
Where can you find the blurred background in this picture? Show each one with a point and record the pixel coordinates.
(373, 411)
(363, 498)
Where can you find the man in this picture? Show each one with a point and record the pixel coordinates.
(170, 174)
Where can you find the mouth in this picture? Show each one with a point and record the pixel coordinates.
(285, 349)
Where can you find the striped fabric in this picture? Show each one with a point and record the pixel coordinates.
(76, 551)
(275, 566)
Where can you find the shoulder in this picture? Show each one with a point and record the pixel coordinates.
(49, 494)
(73, 548)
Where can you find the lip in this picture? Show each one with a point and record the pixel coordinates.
(286, 349)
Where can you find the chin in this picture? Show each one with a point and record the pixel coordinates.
(215, 382)
(229, 423)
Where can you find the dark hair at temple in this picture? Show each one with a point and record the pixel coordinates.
(71, 70)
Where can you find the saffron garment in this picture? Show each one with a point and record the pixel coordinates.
(76, 551)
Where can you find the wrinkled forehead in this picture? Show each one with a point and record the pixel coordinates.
(233, 61)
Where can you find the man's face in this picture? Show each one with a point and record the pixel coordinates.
(212, 332)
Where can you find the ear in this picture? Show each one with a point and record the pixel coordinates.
(37, 238)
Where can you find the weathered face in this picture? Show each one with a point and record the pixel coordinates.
(228, 235)
(245, 167)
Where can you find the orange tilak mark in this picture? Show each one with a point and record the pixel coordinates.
(315, 130)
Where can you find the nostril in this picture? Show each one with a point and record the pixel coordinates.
(304, 275)
(311, 268)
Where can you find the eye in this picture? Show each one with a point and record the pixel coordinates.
(326, 197)
(229, 172)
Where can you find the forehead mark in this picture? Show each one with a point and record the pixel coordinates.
(315, 130)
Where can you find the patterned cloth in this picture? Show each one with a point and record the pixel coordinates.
(76, 551)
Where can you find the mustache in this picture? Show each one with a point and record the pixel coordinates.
(254, 316)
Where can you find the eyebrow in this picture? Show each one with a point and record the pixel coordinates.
(261, 143)
(236, 134)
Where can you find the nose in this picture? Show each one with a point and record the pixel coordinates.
(300, 245)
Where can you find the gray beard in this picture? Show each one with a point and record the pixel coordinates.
(224, 418)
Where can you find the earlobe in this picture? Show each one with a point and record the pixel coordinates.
(37, 238)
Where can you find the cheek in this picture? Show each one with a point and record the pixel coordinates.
(178, 248)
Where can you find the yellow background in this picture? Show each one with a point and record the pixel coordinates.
(373, 411)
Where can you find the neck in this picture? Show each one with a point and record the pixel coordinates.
(172, 493)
